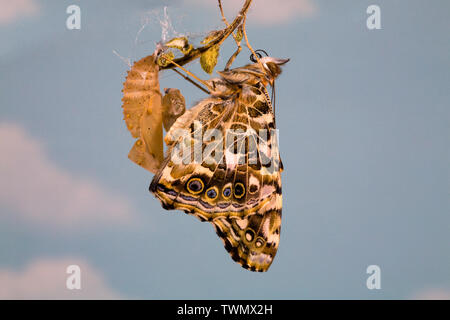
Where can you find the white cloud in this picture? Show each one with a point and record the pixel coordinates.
(12, 10)
(38, 190)
(264, 12)
(432, 294)
(46, 279)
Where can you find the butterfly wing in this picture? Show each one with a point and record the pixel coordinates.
(252, 241)
(237, 187)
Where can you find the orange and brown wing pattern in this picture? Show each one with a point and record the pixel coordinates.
(252, 241)
(240, 197)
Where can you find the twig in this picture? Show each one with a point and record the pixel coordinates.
(225, 33)
(224, 19)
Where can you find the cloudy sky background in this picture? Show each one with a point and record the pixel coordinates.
(364, 126)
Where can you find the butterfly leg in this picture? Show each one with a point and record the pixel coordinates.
(248, 44)
(235, 37)
(237, 40)
(191, 81)
(208, 90)
(235, 54)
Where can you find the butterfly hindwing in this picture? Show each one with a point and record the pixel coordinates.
(252, 241)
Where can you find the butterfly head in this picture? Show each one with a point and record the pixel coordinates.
(264, 71)
(272, 66)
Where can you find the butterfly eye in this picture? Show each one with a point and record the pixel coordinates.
(226, 192)
(211, 193)
(239, 190)
(195, 185)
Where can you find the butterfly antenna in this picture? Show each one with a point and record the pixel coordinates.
(258, 53)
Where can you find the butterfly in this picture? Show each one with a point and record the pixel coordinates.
(241, 199)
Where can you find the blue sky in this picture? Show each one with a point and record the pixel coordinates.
(364, 127)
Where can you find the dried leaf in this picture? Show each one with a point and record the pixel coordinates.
(180, 43)
(208, 59)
